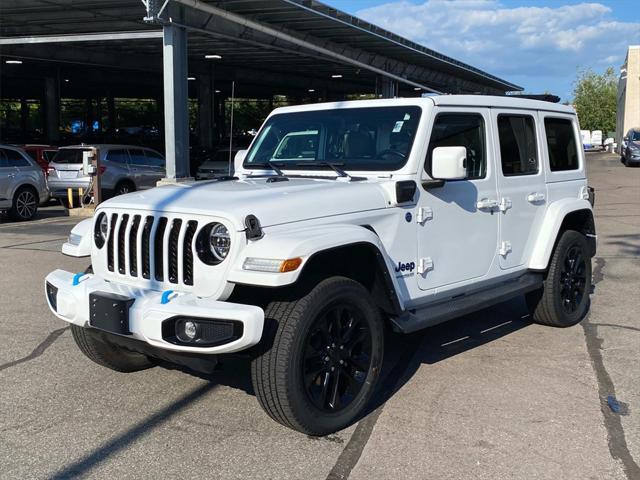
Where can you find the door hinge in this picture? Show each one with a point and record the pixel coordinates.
(505, 204)
(424, 214)
(505, 248)
(424, 265)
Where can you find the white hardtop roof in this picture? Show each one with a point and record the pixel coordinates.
(507, 101)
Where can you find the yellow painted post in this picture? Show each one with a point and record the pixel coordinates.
(80, 192)
(70, 197)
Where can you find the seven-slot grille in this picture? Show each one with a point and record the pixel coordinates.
(152, 247)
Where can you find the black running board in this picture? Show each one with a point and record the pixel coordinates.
(413, 320)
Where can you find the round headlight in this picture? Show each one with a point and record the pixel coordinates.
(101, 230)
(219, 241)
(213, 243)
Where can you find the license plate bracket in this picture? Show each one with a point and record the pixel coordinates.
(110, 312)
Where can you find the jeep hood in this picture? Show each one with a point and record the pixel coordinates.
(273, 203)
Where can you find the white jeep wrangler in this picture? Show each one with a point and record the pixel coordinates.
(343, 219)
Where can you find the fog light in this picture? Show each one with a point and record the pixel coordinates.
(187, 331)
(190, 330)
(200, 332)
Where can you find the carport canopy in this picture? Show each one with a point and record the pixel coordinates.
(282, 47)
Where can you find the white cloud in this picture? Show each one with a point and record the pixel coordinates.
(536, 47)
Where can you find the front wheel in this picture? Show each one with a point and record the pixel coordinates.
(564, 298)
(320, 357)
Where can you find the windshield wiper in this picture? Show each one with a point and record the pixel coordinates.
(271, 166)
(333, 166)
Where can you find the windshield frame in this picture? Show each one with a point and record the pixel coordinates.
(298, 164)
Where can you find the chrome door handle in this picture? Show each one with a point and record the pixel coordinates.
(535, 197)
(486, 203)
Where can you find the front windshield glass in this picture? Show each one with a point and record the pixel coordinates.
(376, 139)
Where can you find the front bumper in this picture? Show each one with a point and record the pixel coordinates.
(147, 313)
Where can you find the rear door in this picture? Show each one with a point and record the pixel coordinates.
(522, 192)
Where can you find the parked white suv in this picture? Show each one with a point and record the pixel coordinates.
(404, 212)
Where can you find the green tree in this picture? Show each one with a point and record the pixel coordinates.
(595, 99)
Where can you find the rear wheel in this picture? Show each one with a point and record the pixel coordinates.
(106, 354)
(564, 299)
(125, 186)
(25, 204)
(320, 357)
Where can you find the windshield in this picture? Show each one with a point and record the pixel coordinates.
(634, 136)
(71, 155)
(377, 138)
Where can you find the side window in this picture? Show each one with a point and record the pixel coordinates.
(15, 159)
(3, 159)
(518, 150)
(461, 130)
(561, 142)
(154, 158)
(138, 157)
(118, 156)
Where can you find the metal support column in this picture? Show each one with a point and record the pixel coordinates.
(176, 114)
(205, 111)
(388, 87)
(51, 109)
(24, 118)
(111, 113)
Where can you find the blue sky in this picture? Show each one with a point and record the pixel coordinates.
(539, 45)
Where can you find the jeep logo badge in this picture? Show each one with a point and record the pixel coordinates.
(405, 267)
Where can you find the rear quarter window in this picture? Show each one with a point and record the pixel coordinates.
(561, 143)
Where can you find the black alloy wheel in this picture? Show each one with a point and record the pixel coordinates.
(573, 279)
(337, 357)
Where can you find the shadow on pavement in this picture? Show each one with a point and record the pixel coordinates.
(405, 353)
(118, 443)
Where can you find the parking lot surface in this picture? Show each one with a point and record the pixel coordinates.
(487, 396)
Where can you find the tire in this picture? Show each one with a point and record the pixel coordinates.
(123, 187)
(106, 354)
(563, 300)
(25, 204)
(304, 337)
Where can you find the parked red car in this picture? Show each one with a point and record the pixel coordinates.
(41, 154)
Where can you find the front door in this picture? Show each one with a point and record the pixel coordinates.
(521, 183)
(458, 220)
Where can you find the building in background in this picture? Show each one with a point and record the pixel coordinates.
(628, 111)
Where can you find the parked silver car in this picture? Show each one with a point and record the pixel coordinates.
(22, 183)
(123, 169)
(218, 166)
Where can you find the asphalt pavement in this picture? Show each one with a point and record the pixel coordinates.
(486, 396)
